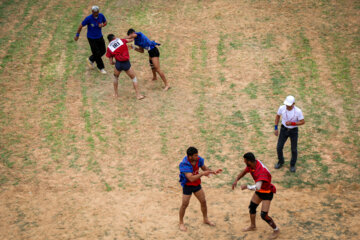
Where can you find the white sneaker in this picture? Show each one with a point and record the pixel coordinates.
(103, 71)
(90, 63)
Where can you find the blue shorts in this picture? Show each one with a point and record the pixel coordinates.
(188, 190)
(122, 66)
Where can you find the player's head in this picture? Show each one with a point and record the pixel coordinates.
(249, 159)
(192, 153)
(289, 102)
(95, 11)
(110, 37)
(131, 32)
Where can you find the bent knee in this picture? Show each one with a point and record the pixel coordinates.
(252, 207)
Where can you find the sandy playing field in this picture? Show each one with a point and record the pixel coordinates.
(77, 164)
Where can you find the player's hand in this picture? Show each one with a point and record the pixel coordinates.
(288, 123)
(243, 187)
(101, 25)
(131, 46)
(276, 132)
(217, 171)
(76, 38)
(112, 63)
(234, 185)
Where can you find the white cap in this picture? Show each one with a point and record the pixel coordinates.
(289, 101)
(95, 8)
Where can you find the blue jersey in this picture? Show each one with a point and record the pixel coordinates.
(94, 31)
(143, 41)
(186, 167)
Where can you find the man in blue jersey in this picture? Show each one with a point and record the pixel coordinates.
(190, 180)
(94, 23)
(143, 42)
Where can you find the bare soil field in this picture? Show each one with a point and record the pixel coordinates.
(75, 163)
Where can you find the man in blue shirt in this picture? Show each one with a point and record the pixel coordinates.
(145, 43)
(94, 23)
(190, 180)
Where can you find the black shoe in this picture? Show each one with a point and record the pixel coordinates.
(292, 169)
(278, 165)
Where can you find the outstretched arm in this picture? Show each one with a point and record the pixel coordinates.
(78, 32)
(205, 168)
(138, 49)
(242, 174)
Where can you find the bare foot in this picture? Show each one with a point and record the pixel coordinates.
(209, 223)
(248, 229)
(166, 88)
(154, 79)
(140, 97)
(275, 234)
(182, 227)
(115, 95)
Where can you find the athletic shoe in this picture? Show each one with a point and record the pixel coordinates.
(278, 165)
(292, 169)
(90, 63)
(103, 71)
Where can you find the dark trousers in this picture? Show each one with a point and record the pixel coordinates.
(285, 133)
(98, 49)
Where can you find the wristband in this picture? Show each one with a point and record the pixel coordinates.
(276, 127)
(293, 123)
(77, 34)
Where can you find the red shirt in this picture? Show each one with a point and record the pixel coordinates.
(261, 173)
(117, 48)
(195, 171)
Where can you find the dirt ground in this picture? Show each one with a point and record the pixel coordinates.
(78, 164)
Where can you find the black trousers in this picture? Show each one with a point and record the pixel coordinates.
(285, 133)
(98, 49)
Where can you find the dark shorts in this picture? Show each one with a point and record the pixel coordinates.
(154, 52)
(265, 196)
(122, 66)
(188, 190)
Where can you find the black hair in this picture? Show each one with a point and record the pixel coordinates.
(110, 37)
(191, 151)
(130, 31)
(249, 156)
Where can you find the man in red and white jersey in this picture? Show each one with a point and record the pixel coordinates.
(264, 191)
(118, 49)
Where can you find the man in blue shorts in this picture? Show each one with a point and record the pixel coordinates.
(95, 22)
(190, 179)
(118, 49)
(145, 43)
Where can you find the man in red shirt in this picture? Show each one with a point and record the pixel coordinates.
(264, 191)
(118, 49)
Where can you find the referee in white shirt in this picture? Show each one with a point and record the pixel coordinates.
(292, 117)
